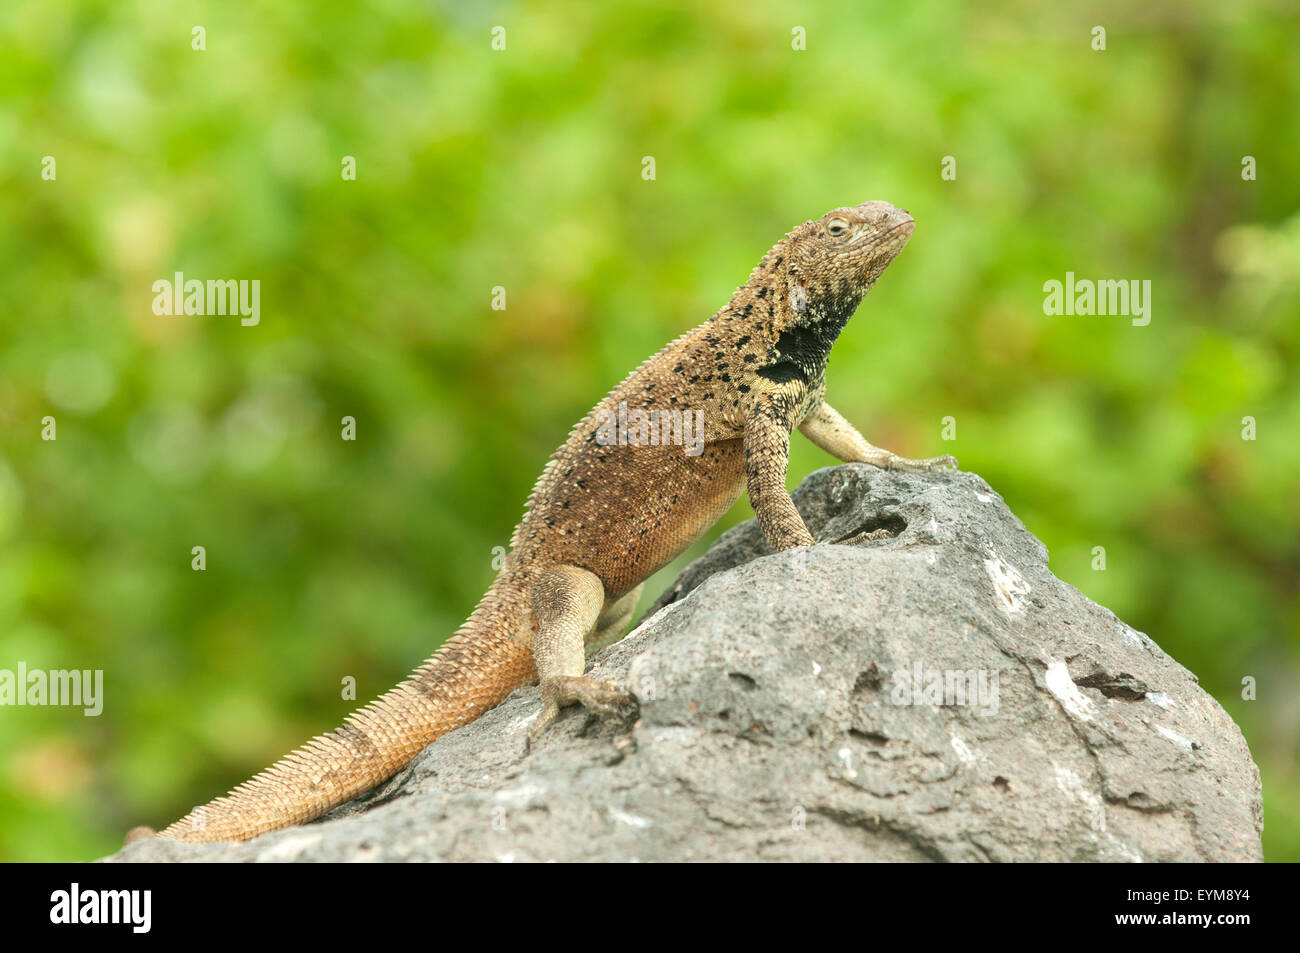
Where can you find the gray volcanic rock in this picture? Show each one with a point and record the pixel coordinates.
(925, 690)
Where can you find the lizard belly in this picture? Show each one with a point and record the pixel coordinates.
(632, 510)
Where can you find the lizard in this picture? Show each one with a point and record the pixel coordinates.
(605, 515)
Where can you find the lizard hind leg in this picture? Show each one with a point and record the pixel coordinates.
(568, 603)
(613, 620)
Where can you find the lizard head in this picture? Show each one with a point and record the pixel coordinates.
(811, 282)
(836, 259)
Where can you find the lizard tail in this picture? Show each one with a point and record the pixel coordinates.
(472, 673)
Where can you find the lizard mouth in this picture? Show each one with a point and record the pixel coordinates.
(908, 224)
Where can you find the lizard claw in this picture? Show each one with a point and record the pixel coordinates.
(598, 696)
(543, 720)
(601, 696)
(928, 465)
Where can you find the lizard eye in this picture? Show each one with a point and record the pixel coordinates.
(837, 228)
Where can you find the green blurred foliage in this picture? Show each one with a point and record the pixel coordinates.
(522, 169)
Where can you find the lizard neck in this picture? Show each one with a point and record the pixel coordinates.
(791, 320)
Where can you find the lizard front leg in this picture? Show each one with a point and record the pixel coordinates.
(567, 602)
(828, 429)
(767, 457)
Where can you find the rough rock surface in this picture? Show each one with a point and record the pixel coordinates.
(785, 716)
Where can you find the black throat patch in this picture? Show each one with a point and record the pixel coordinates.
(802, 350)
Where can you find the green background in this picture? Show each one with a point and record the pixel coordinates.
(522, 169)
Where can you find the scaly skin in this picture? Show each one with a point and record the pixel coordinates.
(605, 516)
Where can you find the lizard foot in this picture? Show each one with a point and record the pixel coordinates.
(927, 465)
(599, 696)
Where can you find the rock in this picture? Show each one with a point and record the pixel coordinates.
(927, 690)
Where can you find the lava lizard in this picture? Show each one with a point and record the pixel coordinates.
(605, 515)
